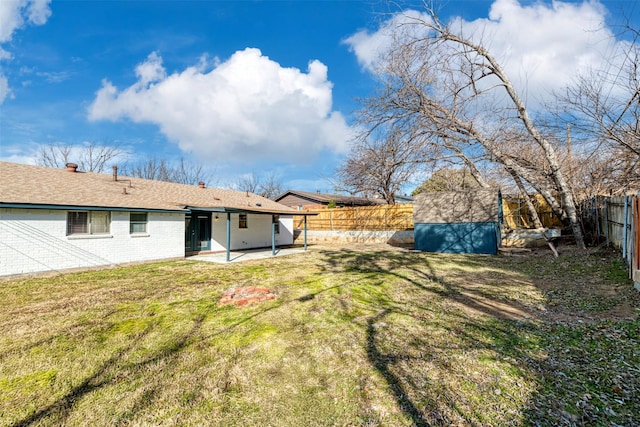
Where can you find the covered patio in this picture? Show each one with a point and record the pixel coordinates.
(231, 255)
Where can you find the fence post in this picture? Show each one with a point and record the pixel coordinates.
(635, 259)
(606, 220)
(624, 231)
(598, 216)
(331, 220)
(386, 218)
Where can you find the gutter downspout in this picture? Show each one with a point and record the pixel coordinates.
(305, 233)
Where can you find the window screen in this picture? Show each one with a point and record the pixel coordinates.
(77, 223)
(138, 223)
(88, 222)
(99, 222)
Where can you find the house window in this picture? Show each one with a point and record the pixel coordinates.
(276, 220)
(88, 222)
(242, 221)
(138, 222)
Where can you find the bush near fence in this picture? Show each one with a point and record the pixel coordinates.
(400, 217)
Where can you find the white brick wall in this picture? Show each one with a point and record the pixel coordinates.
(35, 240)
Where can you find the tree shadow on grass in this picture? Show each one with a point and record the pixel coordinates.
(424, 400)
(381, 362)
(62, 407)
(566, 372)
(77, 328)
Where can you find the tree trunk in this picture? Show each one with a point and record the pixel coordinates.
(549, 152)
(527, 199)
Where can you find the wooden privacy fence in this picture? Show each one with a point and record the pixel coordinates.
(400, 217)
(616, 222)
(370, 218)
(516, 213)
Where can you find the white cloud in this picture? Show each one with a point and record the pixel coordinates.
(4, 88)
(14, 15)
(25, 153)
(5, 55)
(542, 46)
(369, 47)
(245, 109)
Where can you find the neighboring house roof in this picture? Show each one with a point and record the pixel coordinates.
(39, 186)
(324, 198)
(403, 199)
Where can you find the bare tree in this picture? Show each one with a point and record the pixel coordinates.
(271, 186)
(268, 185)
(188, 173)
(445, 86)
(153, 168)
(182, 172)
(248, 183)
(603, 107)
(379, 166)
(90, 157)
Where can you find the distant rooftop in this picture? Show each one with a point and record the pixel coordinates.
(311, 198)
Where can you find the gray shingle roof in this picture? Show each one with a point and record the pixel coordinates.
(36, 185)
(326, 198)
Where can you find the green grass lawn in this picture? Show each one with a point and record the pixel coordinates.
(361, 336)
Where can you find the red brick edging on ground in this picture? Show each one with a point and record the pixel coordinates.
(246, 295)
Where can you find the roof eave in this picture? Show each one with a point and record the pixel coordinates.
(249, 209)
(87, 207)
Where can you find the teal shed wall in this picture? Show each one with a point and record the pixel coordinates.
(470, 237)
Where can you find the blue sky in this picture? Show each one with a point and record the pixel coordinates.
(241, 87)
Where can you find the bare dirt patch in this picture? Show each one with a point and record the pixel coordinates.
(246, 295)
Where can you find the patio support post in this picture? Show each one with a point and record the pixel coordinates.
(305, 233)
(228, 236)
(273, 238)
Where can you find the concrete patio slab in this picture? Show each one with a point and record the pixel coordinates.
(247, 255)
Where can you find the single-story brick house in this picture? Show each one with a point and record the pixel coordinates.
(55, 219)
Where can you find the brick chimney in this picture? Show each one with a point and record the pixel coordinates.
(115, 172)
(201, 184)
(72, 167)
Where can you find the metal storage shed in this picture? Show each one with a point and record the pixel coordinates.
(458, 221)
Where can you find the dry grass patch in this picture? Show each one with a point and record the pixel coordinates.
(371, 336)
